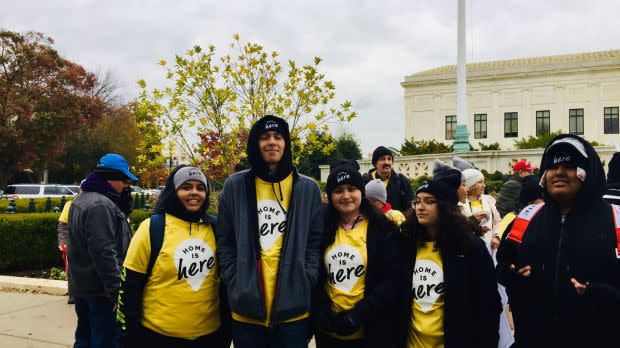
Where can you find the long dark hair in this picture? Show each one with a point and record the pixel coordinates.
(455, 230)
(332, 221)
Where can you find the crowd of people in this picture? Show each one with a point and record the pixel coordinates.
(377, 265)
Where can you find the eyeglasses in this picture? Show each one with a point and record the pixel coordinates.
(426, 202)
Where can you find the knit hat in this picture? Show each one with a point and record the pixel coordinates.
(380, 152)
(461, 164)
(447, 173)
(341, 175)
(186, 174)
(530, 190)
(613, 174)
(440, 189)
(569, 152)
(376, 189)
(472, 176)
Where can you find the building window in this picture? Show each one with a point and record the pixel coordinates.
(450, 127)
(611, 120)
(480, 126)
(543, 124)
(511, 125)
(575, 121)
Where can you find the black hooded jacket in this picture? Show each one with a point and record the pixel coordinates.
(238, 244)
(546, 308)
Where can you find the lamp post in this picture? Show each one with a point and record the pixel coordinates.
(461, 135)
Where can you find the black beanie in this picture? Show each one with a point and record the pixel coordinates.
(380, 152)
(447, 174)
(341, 175)
(530, 190)
(441, 190)
(613, 174)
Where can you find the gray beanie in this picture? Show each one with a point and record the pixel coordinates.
(461, 164)
(186, 174)
(472, 176)
(376, 189)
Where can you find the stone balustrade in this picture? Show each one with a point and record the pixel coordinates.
(491, 161)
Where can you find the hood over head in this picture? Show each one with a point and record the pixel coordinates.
(170, 203)
(579, 153)
(258, 165)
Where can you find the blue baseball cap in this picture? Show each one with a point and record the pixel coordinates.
(116, 162)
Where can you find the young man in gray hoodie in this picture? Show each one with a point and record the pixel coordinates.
(269, 232)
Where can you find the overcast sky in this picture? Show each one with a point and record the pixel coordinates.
(367, 46)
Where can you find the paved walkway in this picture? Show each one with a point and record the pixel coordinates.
(29, 320)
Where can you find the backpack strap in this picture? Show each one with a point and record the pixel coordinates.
(616, 213)
(522, 221)
(156, 236)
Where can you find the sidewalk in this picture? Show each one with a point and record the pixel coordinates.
(37, 319)
(32, 320)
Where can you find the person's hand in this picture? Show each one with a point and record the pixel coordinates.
(495, 242)
(481, 215)
(579, 287)
(525, 271)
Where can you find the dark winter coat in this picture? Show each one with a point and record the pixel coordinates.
(546, 308)
(98, 239)
(471, 302)
(376, 310)
(399, 192)
(508, 198)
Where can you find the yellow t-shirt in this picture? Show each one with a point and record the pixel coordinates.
(476, 205)
(508, 218)
(374, 176)
(272, 202)
(346, 261)
(64, 215)
(181, 297)
(395, 216)
(428, 300)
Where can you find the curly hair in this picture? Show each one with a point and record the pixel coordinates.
(455, 230)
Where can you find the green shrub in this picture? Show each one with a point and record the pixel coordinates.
(497, 176)
(29, 241)
(22, 204)
(417, 181)
(137, 216)
(58, 273)
(489, 147)
(494, 186)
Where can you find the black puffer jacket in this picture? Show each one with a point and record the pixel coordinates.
(546, 308)
(399, 192)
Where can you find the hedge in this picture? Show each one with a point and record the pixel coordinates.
(30, 241)
(39, 204)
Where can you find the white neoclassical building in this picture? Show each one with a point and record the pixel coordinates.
(512, 99)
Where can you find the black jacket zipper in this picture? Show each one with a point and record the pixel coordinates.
(558, 259)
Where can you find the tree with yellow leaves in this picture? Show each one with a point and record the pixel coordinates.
(221, 97)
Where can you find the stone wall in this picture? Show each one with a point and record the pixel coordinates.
(491, 161)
